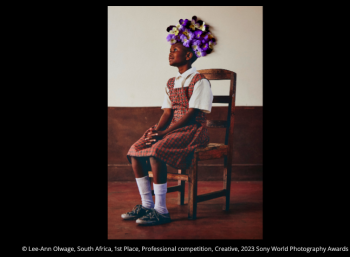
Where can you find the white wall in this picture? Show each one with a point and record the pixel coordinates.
(138, 66)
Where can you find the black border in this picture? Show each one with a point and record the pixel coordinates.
(62, 195)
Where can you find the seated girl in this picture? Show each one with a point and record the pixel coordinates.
(182, 127)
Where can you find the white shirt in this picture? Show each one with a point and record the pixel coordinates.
(202, 97)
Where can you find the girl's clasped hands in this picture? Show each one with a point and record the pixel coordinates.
(153, 136)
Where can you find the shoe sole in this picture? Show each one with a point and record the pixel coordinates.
(145, 223)
(130, 218)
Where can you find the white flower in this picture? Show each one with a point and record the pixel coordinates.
(211, 44)
(194, 47)
(174, 31)
(179, 26)
(193, 26)
(202, 27)
(210, 36)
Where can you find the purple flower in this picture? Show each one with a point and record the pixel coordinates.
(196, 21)
(184, 22)
(197, 42)
(187, 42)
(204, 53)
(205, 47)
(197, 34)
(173, 41)
(203, 41)
(186, 32)
(190, 35)
(196, 45)
(208, 36)
(183, 37)
(170, 37)
(194, 24)
(200, 53)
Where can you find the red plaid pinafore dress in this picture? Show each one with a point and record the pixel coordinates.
(177, 147)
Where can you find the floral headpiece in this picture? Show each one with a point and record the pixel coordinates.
(194, 34)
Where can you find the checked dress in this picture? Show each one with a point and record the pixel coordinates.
(177, 147)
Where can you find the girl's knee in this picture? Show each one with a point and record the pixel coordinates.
(138, 160)
(154, 159)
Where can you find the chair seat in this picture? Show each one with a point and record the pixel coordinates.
(211, 146)
(212, 151)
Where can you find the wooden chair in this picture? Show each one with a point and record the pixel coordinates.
(211, 151)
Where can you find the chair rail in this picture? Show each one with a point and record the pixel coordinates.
(215, 74)
(222, 99)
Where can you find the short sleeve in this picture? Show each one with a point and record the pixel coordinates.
(166, 101)
(202, 97)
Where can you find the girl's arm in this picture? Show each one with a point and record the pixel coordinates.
(187, 119)
(164, 119)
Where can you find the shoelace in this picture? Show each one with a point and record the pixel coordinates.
(153, 214)
(136, 209)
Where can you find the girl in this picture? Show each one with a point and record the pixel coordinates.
(182, 127)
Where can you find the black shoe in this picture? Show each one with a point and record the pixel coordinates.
(137, 212)
(154, 218)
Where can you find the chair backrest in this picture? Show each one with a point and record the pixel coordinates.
(221, 74)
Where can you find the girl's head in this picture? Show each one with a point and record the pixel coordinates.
(180, 55)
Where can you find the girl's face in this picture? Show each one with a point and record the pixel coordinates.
(178, 55)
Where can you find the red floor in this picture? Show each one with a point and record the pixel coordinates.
(243, 221)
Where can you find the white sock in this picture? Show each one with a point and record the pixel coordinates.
(145, 191)
(160, 193)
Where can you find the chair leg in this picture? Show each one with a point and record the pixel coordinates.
(181, 193)
(192, 189)
(227, 182)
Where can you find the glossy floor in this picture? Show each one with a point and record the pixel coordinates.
(243, 221)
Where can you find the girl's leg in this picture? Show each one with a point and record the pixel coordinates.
(139, 166)
(140, 169)
(159, 170)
